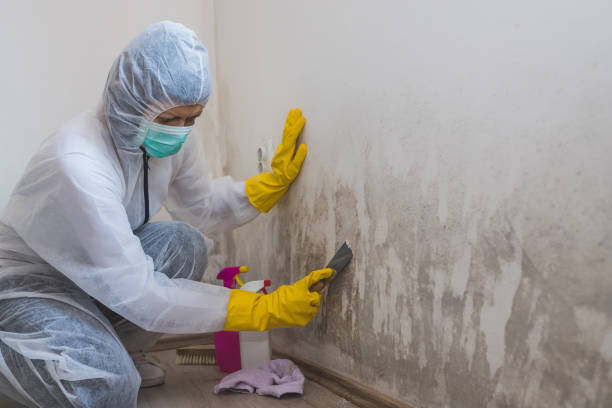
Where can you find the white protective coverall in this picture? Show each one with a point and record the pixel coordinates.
(73, 213)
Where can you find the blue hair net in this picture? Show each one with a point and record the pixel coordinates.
(165, 66)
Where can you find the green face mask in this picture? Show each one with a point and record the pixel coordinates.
(164, 140)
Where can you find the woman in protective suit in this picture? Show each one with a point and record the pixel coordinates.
(86, 282)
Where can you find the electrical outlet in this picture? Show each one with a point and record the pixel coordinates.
(264, 156)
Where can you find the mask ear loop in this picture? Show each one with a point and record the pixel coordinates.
(143, 130)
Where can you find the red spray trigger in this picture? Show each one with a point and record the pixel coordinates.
(266, 283)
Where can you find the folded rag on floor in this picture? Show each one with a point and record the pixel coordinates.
(274, 377)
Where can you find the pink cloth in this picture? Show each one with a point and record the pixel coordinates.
(275, 377)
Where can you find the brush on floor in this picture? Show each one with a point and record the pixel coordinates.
(196, 355)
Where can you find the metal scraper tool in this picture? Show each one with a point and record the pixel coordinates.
(342, 257)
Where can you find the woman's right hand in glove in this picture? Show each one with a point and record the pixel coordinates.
(288, 306)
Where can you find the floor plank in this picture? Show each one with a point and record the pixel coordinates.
(192, 387)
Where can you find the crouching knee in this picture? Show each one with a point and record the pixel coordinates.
(118, 390)
(194, 247)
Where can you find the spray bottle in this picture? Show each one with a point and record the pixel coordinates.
(254, 345)
(227, 343)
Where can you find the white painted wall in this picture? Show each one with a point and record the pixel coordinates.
(55, 59)
(463, 147)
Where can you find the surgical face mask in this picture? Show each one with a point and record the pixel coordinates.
(163, 140)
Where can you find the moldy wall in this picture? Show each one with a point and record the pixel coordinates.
(463, 148)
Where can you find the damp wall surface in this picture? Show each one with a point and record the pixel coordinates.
(464, 149)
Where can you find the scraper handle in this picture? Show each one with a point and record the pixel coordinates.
(322, 284)
(319, 286)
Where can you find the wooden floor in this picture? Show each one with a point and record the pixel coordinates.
(192, 387)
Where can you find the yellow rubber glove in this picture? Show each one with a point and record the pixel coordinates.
(265, 189)
(287, 306)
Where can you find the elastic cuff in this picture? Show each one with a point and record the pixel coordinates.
(242, 311)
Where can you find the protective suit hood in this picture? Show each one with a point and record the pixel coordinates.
(165, 66)
(67, 233)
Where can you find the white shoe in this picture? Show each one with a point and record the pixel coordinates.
(150, 372)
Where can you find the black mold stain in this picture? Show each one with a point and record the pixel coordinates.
(424, 371)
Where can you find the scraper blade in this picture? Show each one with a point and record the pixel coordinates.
(339, 261)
